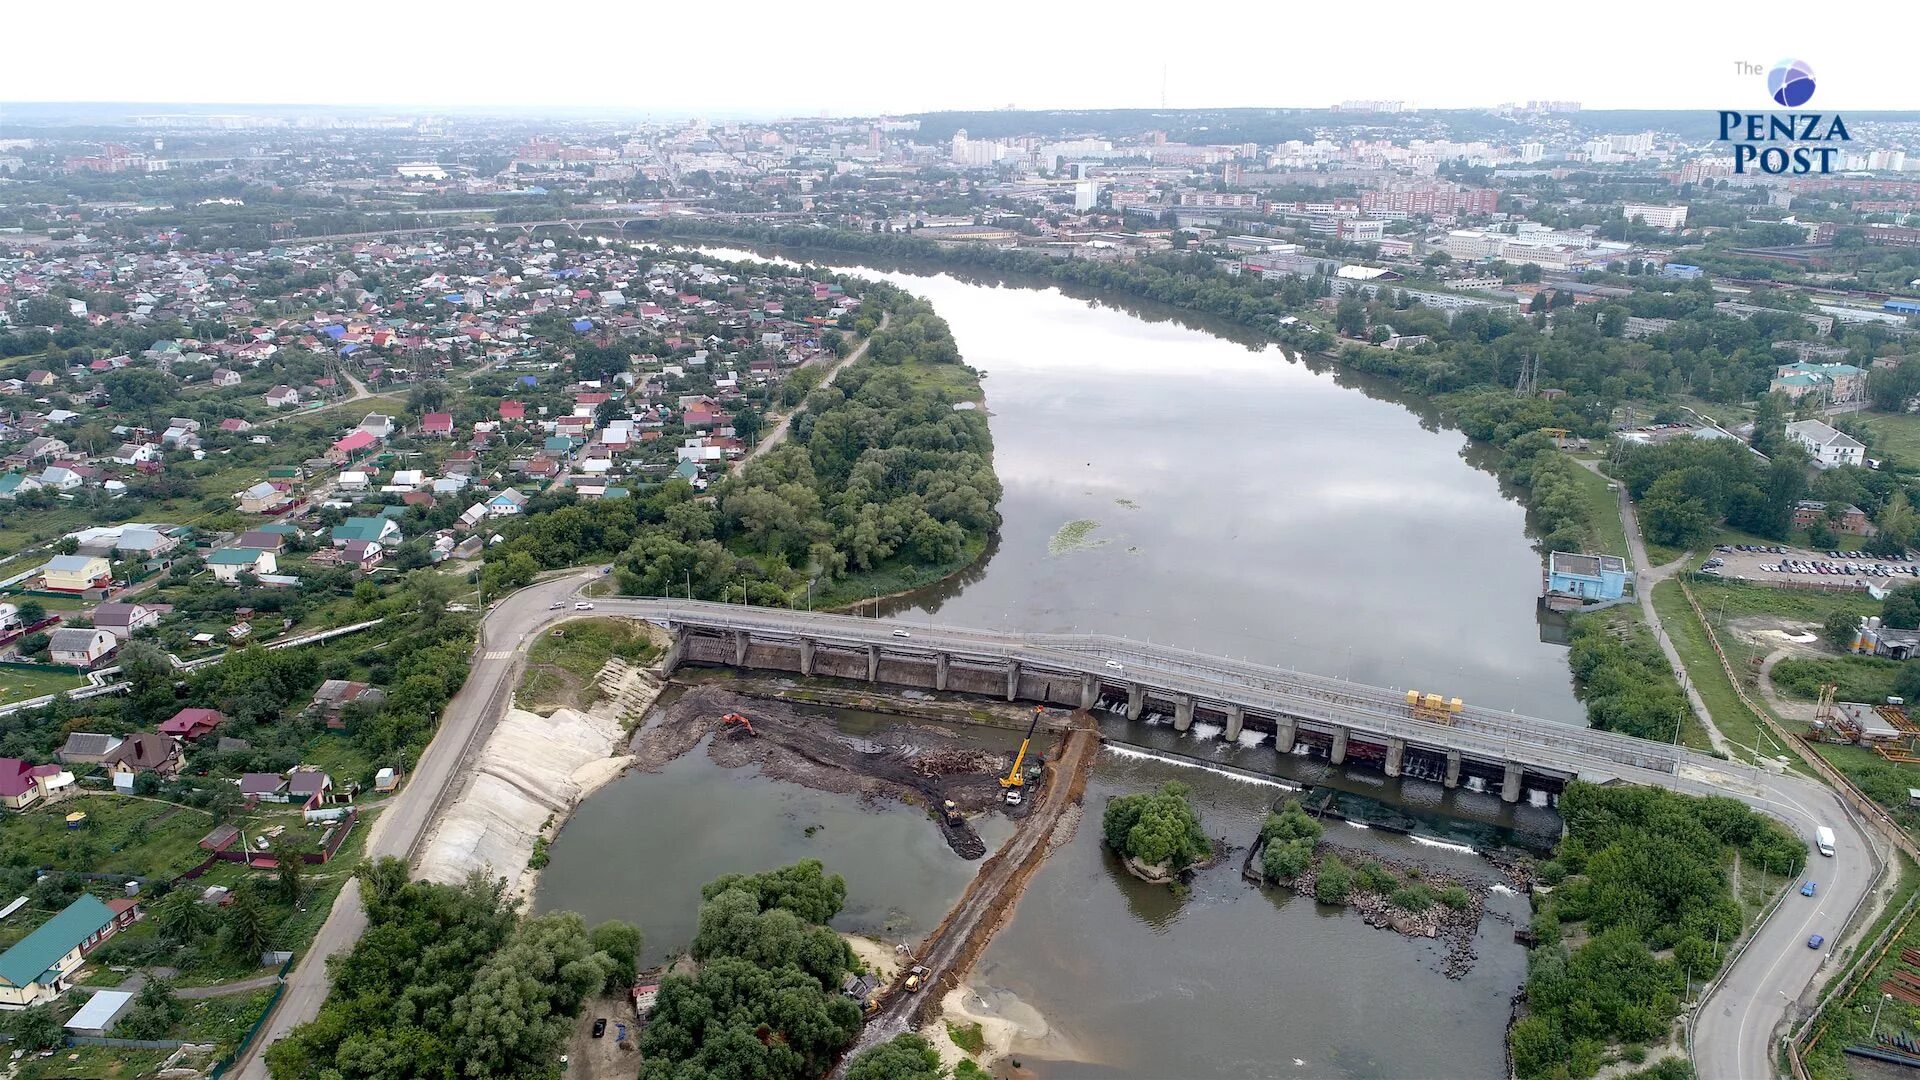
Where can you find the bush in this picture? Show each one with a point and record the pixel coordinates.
(1335, 883)
(1414, 898)
(1372, 877)
(1285, 861)
(1455, 897)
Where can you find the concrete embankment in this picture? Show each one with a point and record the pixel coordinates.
(527, 778)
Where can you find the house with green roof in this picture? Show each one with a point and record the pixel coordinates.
(380, 530)
(39, 967)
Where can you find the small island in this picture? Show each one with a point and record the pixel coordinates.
(1157, 834)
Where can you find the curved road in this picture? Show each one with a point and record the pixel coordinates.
(398, 829)
(1736, 1024)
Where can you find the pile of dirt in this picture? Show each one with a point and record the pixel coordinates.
(903, 764)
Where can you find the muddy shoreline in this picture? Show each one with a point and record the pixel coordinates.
(912, 764)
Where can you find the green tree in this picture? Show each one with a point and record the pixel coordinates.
(903, 1057)
(179, 918)
(155, 1011)
(1334, 883)
(1841, 629)
(620, 941)
(1159, 828)
(244, 928)
(290, 870)
(519, 1009)
(37, 1028)
(32, 612)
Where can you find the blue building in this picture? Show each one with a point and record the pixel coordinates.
(1588, 577)
(1681, 271)
(1902, 307)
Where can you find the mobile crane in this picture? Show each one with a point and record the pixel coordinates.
(1015, 779)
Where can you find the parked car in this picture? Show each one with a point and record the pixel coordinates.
(599, 1026)
(1816, 941)
(1808, 889)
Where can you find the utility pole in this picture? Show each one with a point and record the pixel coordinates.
(1877, 1006)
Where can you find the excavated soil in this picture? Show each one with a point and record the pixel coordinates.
(920, 766)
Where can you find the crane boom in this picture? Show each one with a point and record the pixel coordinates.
(1015, 778)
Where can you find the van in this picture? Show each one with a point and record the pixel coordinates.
(1823, 839)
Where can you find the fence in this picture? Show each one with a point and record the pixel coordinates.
(130, 1044)
(220, 1067)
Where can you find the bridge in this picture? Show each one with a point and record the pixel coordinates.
(1342, 721)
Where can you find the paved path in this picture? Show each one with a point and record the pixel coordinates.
(1645, 577)
(398, 830)
(779, 431)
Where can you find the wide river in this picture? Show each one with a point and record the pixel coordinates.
(1243, 503)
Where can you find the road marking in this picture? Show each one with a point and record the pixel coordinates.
(500, 655)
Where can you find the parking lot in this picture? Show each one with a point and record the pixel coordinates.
(1838, 569)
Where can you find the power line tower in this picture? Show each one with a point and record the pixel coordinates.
(1529, 374)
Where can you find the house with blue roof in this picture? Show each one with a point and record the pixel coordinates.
(40, 966)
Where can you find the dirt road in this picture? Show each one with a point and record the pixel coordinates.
(779, 432)
(953, 947)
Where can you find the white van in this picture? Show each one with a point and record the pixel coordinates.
(1823, 839)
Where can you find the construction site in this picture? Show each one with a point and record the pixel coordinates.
(917, 764)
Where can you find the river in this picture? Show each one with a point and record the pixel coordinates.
(1243, 503)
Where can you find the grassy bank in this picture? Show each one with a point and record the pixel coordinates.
(899, 574)
(562, 664)
(1689, 638)
(1607, 531)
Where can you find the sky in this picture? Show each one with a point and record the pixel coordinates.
(755, 58)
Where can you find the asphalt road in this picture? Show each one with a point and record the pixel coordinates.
(398, 829)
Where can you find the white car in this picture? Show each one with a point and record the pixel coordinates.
(583, 606)
(901, 633)
(1115, 665)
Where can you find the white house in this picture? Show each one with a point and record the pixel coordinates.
(228, 564)
(60, 478)
(507, 503)
(81, 648)
(1829, 447)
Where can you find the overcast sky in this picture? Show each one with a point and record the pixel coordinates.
(866, 57)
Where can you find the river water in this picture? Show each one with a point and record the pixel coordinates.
(1243, 503)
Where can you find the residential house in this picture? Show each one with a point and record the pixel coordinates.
(264, 787)
(224, 377)
(75, 573)
(39, 967)
(353, 443)
(264, 498)
(437, 424)
(382, 530)
(60, 478)
(282, 396)
(361, 555)
(378, 425)
(125, 620)
(234, 425)
(191, 724)
(507, 504)
(1829, 447)
(87, 748)
(24, 784)
(228, 564)
(15, 483)
(80, 648)
(335, 695)
(513, 410)
(142, 752)
(261, 540)
(309, 788)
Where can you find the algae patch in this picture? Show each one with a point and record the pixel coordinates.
(1074, 536)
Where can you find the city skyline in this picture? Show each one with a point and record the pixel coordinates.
(871, 60)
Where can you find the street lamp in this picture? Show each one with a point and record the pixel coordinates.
(1877, 1006)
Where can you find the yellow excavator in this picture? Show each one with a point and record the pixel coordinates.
(1015, 778)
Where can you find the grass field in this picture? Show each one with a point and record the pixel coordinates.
(123, 835)
(1732, 600)
(1703, 668)
(1858, 678)
(1607, 532)
(92, 1062)
(19, 684)
(220, 1020)
(1895, 437)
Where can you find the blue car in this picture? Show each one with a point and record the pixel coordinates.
(1816, 941)
(1808, 889)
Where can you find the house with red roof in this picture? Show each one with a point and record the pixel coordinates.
(513, 410)
(191, 724)
(438, 424)
(352, 443)
(22, 783)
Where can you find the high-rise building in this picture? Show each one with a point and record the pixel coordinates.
(1659, 217)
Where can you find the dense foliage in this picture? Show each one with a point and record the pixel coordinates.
(764, 1002)
(1641, 870)
(1624, 680)
(446, 983)
(903, 1057)
(1287, 841)
(1158, 828)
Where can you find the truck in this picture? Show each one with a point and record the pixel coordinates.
(1823, 839)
